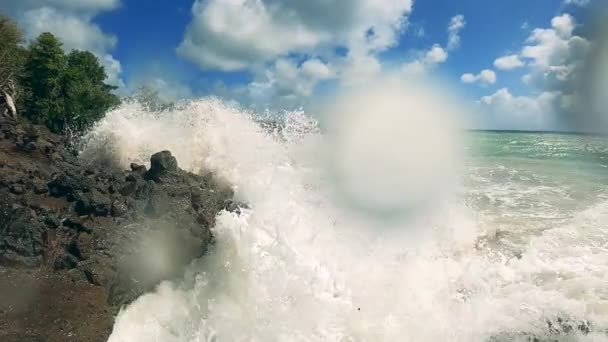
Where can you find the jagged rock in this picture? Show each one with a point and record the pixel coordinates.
(21, 240)
(65, 185)
(234, 206)
(92, 203)
(76, 224)
(164, 210)
(158, 204)
(140, 169)
(65, 262)
(56, 157)
(160, 164)
(52, 221)
(73, 248)
(119, 208)
(17, 189)
(128, 189)
(40, 188)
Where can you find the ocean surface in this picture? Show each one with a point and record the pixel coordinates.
(517, 249)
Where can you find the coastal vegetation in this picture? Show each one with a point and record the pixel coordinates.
(42, 82)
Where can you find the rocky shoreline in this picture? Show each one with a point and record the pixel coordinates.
(78, 239)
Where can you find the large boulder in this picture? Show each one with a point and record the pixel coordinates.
(161, 163)
(21, 234)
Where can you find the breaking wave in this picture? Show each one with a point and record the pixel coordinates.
(303, 265)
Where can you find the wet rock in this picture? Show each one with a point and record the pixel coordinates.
(92, 203)
(56, 157)
(128, 189)
(76, 225)
(30, 146)
(17, 189)
(65, 185)
(21, 242)
(92, 276)
(139, 169)
(158, 204)
(40, 188)
(65, 262)
(51, 221)
(161, 163)
(73, 248)
(119, 208)
(234, 206)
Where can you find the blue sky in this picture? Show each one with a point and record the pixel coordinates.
(287, 53)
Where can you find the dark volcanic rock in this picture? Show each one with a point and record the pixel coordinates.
(140, 169)
(161, 163)
(65, 185)
(88, 225)
(92, 203)
(119, 208)
(17, 189)
(20, 235)
(76, 225)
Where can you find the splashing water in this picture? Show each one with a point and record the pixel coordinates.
(299, 266)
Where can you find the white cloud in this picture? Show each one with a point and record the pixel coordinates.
(457, 23)
(486, 76)
(556, 55)
(113, 71)
(71, 21)
(563, 25)
(436, 55)
(359, 68)
(75, 32)
(288, 83)
(581, 3)
(521, 112)
(509, 62)
(94, 6)
(315, 69)
(554, 58)
(238, 34)
(426, 60)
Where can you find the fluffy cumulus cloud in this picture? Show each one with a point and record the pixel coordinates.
(436, 54)
(236, 34)
(286, 82)
(427, 60)
(486, 76)
(290, 46)
(554, 58)
(509, 62)
(71, 21)
(521, 112)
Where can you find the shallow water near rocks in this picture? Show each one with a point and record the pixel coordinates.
(521, 242)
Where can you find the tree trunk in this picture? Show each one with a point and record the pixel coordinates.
(10, 104)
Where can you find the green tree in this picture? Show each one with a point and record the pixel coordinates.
(45, 72)
(87, 97)
(67, 91)
(12, 59)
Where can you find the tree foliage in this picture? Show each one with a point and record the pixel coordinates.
(12, 57)
(66, 90)
(52, 88)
